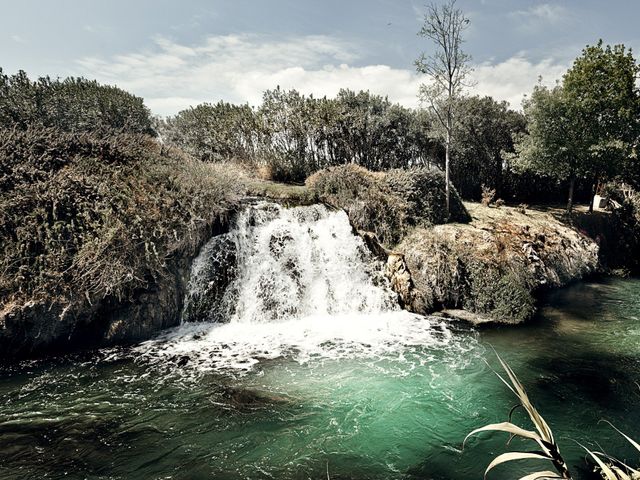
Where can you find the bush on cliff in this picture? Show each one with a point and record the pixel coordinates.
(85, 216)
(387, 203)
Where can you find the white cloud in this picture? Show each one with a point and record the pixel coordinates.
(541, 15)
(512, 79)
(238, 68)
(18, 39)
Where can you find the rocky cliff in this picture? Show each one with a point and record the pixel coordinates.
(490, 269)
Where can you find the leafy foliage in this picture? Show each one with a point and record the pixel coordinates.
(87, 215)
(542, 436)
(291, 135)
(626, 221)
(215, 133)
(484, 134)
(71, 105)
(389, 203)
(587, 127)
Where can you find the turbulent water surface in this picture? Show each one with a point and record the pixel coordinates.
(315, 372)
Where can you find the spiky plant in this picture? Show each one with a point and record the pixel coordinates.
(612, 468)
(542, 435)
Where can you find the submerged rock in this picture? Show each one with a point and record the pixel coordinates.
(459, 314)
(248, 398)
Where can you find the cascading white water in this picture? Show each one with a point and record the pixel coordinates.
(297, 262)
(289, 282)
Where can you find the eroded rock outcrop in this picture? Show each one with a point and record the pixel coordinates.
(488, 270)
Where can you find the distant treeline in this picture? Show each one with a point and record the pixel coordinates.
(293, 136)
(296, 135)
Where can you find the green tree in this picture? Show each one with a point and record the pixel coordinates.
(586, 128)
(602, 96)
(554, 145)
(484, 133)
(71, 105)
(214, 132)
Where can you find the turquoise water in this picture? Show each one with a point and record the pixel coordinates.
(378, 406)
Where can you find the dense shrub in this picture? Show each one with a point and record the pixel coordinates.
(71, 105)
(624, 242)
(387, 203)
(214, 132)
(502, 291)
(97, 215)
(424, 191)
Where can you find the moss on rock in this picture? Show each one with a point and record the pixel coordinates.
(494, 265)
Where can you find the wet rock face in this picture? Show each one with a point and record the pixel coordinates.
(212, 272)
(401, 282)
(37, 328)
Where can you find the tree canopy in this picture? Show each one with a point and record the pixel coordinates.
(587, 127)
(71, 105)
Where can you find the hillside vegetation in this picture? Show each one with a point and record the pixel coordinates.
(387, 203)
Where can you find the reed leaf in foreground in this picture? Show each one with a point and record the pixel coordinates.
(611, 468)
(542, 435)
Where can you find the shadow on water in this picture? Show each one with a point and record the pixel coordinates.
(602, 377)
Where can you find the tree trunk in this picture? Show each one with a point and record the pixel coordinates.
(446, 172)
(572, 183)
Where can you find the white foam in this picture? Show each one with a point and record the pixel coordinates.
(240, 346)
(305, 287)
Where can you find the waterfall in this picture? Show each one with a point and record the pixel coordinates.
(289, 283)
(283, 263)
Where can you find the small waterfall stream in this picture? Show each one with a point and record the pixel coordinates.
(285, 263)
(290, 282)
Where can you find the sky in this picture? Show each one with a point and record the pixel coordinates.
(184, 52)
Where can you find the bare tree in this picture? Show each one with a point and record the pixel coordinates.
(447, 67)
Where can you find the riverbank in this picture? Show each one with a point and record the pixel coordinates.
(483, 264)
(97, 235)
